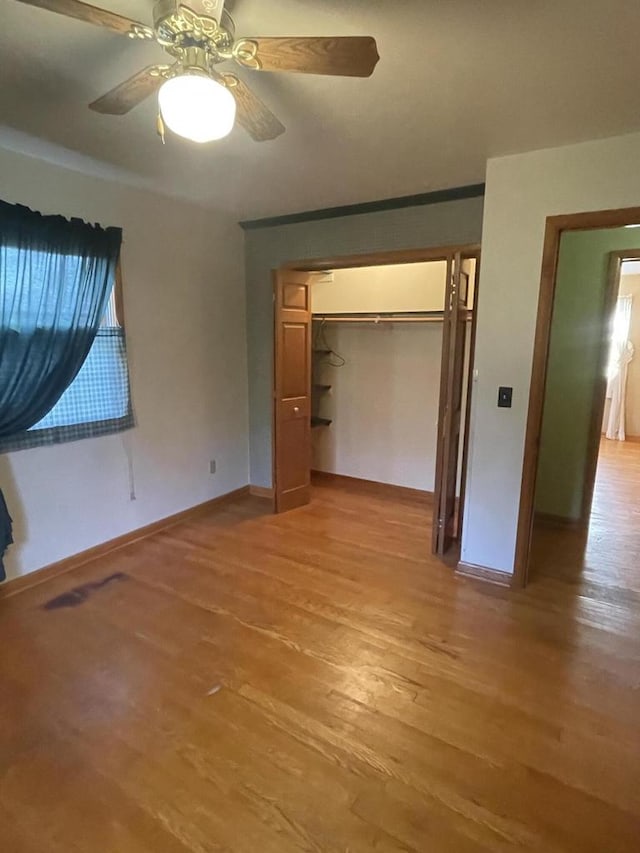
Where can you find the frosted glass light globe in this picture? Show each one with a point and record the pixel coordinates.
(196, 107)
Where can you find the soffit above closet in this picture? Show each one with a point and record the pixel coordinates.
(393, 288)
(457, 83)
(396, 288)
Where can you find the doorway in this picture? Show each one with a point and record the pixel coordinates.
(351, 399)
(577, 483)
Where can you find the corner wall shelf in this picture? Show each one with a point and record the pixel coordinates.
(318, 422)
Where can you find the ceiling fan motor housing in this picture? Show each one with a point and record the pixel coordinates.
(200, 24)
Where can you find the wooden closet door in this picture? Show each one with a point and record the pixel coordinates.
(292, 390)
(451, 403)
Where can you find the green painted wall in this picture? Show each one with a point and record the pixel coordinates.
(576, 328)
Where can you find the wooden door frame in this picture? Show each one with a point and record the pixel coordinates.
(467, 413)
(554, 228)
(381, 259)
(388, 258)
(445, 371)
(443, 447)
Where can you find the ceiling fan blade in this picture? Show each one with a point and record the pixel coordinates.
(256, 118)
(94, 15)
(132, 92)
(347, 56)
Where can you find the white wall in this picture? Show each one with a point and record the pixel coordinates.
(184, 307)
(521, 191)
(383, 402)
(396, 288)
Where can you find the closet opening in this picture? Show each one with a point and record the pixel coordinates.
(373, 357)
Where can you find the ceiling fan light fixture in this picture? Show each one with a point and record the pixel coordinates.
(197, 107)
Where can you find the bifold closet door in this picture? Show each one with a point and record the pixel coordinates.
(451, 404)
(292, 390)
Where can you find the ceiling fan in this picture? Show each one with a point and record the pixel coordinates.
(196, 100)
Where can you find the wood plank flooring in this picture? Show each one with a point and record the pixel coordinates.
(315, 682)
(608, 553)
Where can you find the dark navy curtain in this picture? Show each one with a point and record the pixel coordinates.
(55, 280)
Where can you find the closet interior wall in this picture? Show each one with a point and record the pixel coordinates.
(378, 383)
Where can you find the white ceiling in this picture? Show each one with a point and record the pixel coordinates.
(458, 81)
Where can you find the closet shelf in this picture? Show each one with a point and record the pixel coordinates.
(318, 422)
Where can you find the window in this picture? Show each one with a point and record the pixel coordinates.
(97, 402)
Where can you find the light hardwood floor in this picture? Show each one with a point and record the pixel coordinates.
(608, 553)
(315, 682)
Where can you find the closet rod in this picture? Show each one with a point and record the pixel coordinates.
(381, 318)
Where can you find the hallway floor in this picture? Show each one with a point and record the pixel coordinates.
(609, 554)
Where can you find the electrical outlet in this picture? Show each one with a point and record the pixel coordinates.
(212, 466)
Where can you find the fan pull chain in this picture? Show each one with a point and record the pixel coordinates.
(160, 127)
(128, 452)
